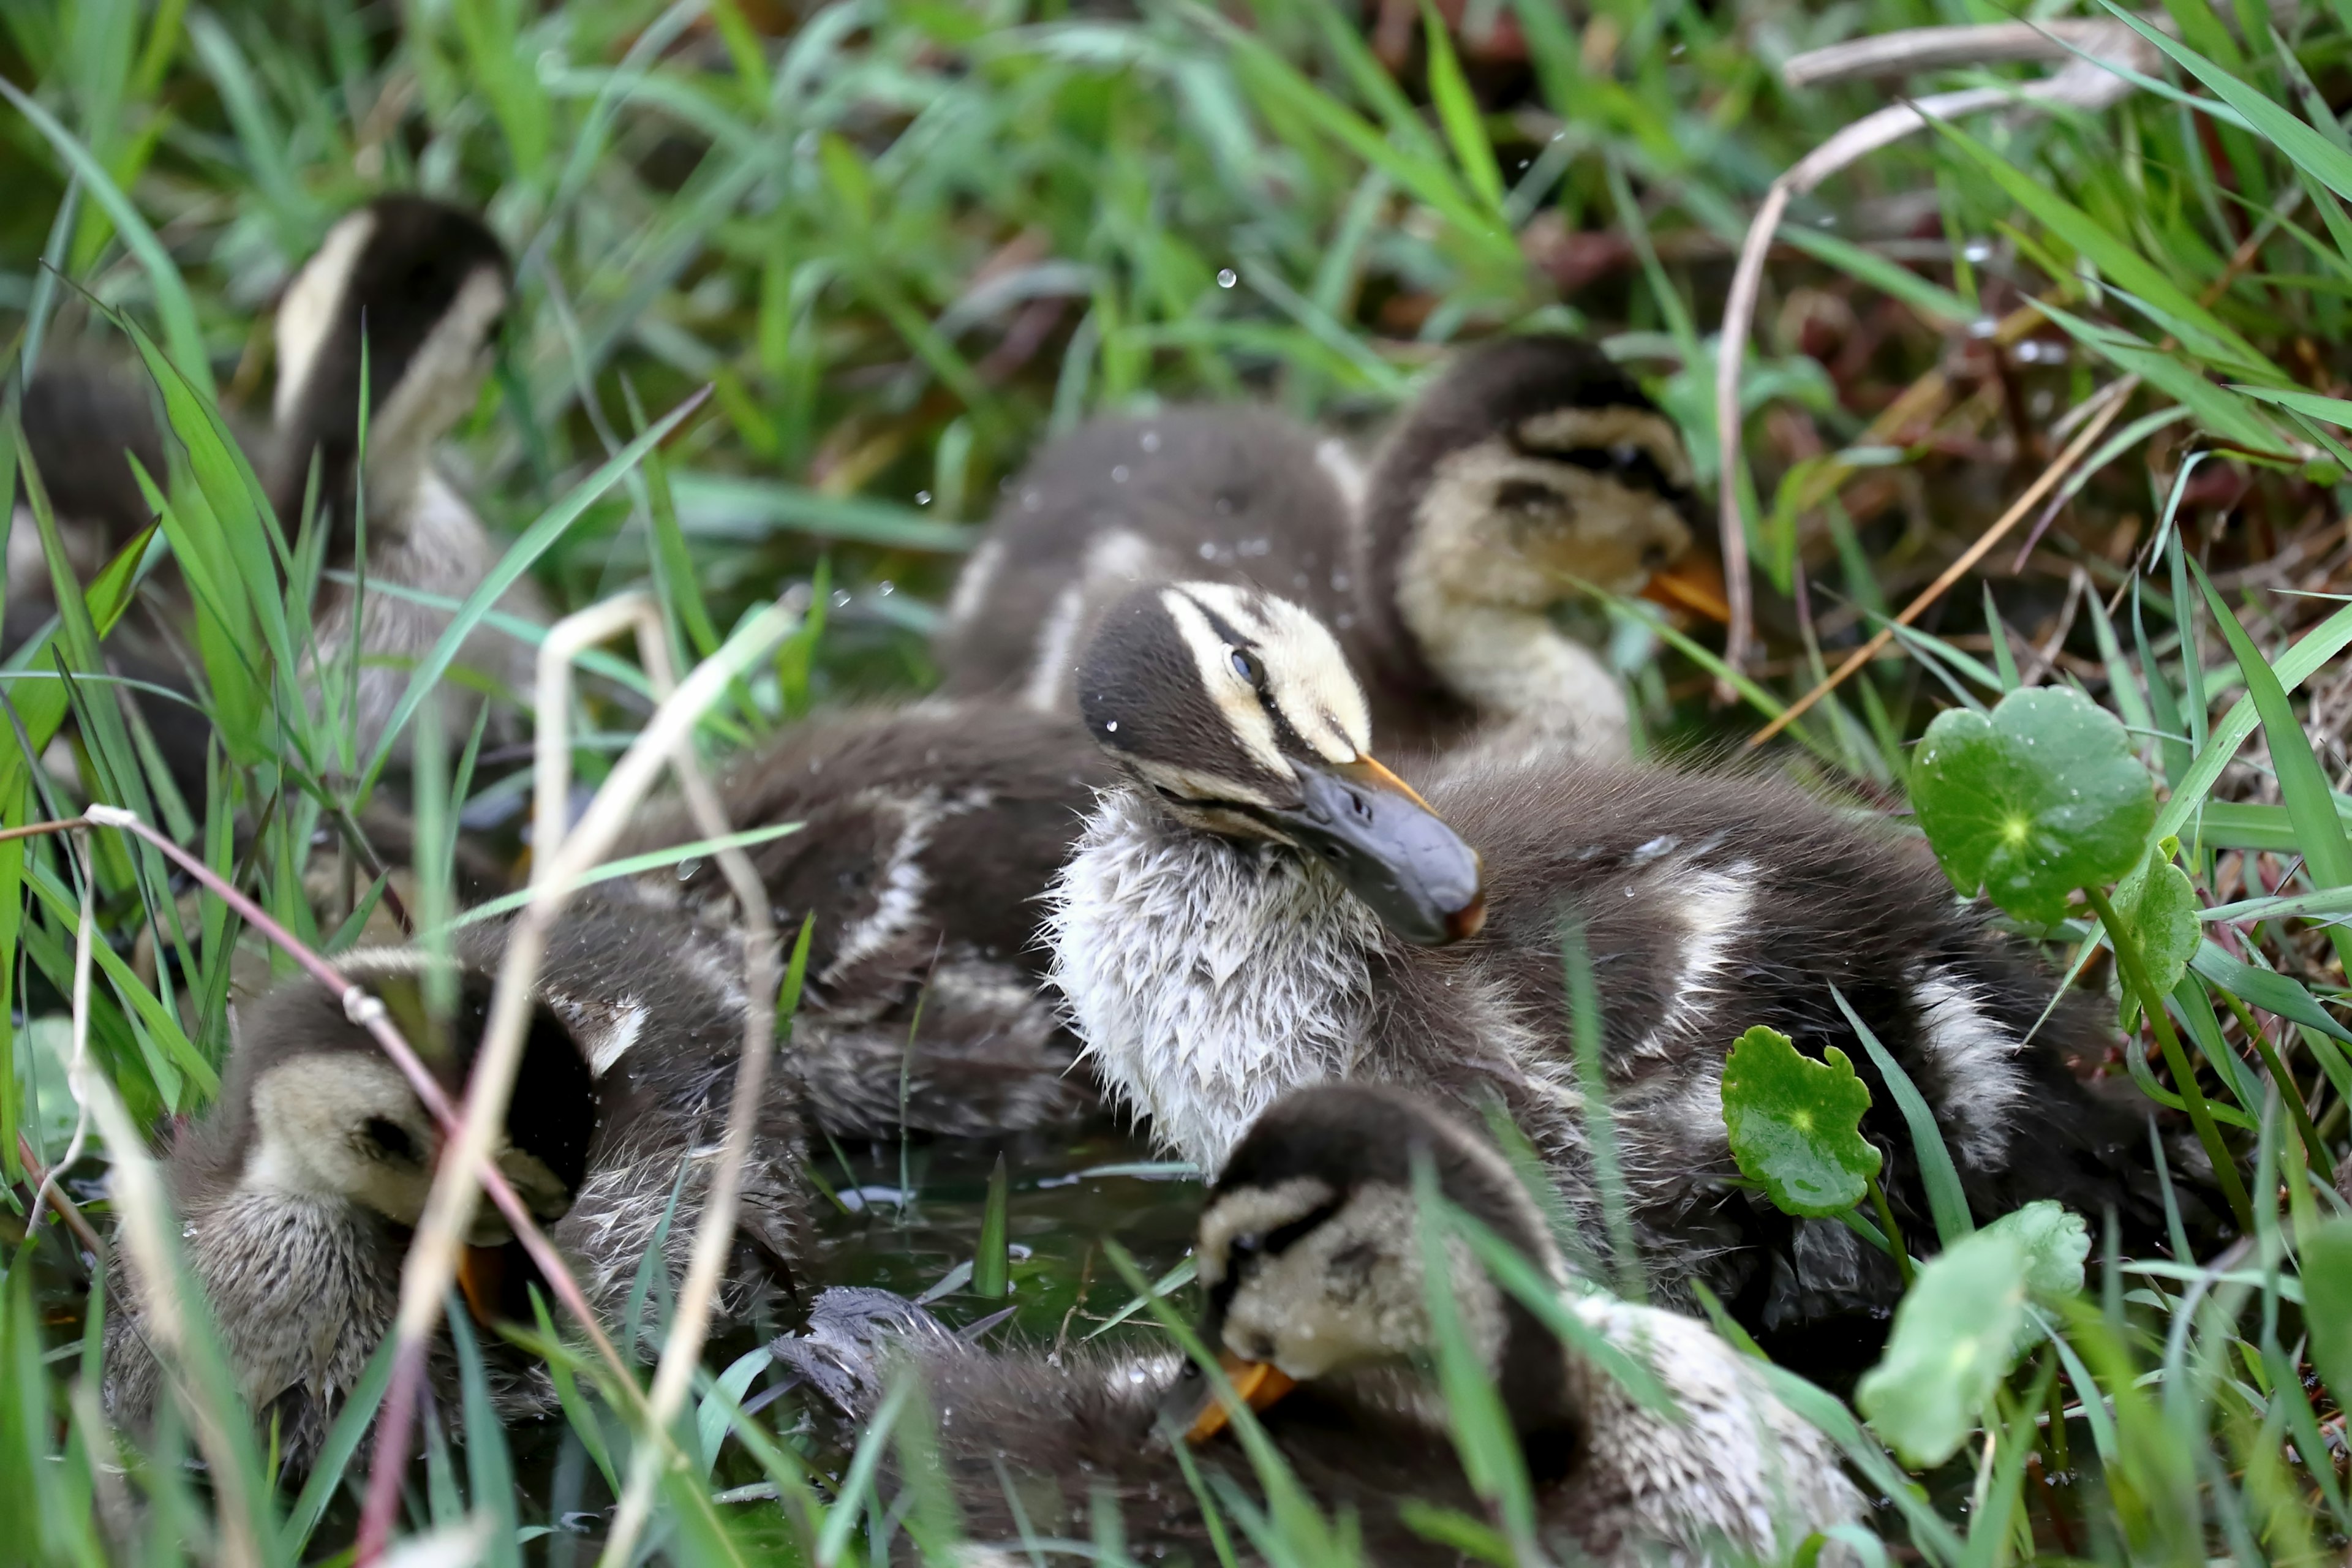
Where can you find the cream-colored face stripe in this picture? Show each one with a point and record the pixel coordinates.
(1306, 676)
(1570, 429)
(307, 313)
(440, 381)
(1253, 1209)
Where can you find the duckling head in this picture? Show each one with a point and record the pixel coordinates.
(1237, 710)
(1309, 1248)
(324, 1119)
(1531, 464)
(423, 285)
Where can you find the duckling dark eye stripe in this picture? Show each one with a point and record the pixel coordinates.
(1286, 733)
(1282, 1239)
(1641, 473)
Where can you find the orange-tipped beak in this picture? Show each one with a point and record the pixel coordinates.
(1259, 1384)
(481, 1276)
(1694, 584)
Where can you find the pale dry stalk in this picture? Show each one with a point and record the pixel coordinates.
(559, 861)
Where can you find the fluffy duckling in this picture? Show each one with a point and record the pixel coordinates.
(1310, 1252)
(929, 837)
(423, 285)
(1262, 906)
(299, 1189)
(1531, 463)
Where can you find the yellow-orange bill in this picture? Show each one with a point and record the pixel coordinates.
(1694, 584)
(1259, 1384)
(1380, 773)
(481, 1276)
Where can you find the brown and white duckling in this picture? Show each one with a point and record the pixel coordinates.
(423, 285)
(929, 837)
(1310, 1251)
(1531, 463)
(1262, 906)
(297, 1192)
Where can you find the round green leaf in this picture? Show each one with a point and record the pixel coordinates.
(2157, 906)
(1795, 1124)
(2041, 799)
(2056, 1243)
(1956, 1335)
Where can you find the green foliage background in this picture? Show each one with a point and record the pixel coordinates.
(904, 241)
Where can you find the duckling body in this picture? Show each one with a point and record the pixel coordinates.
(414, 289)
(298, 1190)
(929, 837)
(1310, 1253)
(1531, 463)
(1218, 946)
(422, 285)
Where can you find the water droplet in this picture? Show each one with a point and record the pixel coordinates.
(1227, 277)
(1340, 582)
(1977, 252)
(885, 587)
(1112, 726)
(1208, 550)
(687, 868)
(1118, 475)
(1151, 441)
(1029, 501)
(841, 598)
(922, 498)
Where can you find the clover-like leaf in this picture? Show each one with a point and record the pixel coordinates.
(2157, 906)
(2328, 1304)
(2040, 798)
(1957, 1334)
(1795, 1123)
(2057, 1241)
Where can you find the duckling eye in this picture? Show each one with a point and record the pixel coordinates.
(1624, 453)
(1526, 495)
(1246, 666)
(390, 1139)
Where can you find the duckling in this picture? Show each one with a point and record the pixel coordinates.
(1310, 1253)
(929, 835)
(418, 287)
(299, 1191)
(423, 285)
(1263, 905)
(1529, 464)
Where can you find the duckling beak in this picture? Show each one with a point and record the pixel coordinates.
(481, 1276)
(1393, 852)
(1259, 1384)
(1694, 584)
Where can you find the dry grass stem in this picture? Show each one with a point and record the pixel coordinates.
(557, 861)
(147, 1222)
(2075, 451)
(2086, 84)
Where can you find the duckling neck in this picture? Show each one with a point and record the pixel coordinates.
(1203, 976)
(1529, 682)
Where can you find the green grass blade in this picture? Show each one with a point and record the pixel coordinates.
(2319, 833)
(518, 559)
(1946, 1200)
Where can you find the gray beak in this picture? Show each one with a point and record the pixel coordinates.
(1393, 852)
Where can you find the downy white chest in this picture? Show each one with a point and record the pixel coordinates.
(1206, 977)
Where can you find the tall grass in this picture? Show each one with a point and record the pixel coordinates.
(901, 242)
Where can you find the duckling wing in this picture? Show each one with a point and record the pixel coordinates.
(1225, 494)
(1727, 1472)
